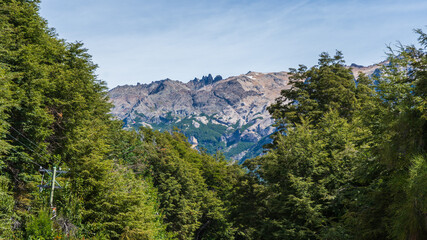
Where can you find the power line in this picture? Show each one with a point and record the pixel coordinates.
(32, 150)
(28, 158)
(42, 170)
(26, 138)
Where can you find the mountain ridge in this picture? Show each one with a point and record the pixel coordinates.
(229, 115)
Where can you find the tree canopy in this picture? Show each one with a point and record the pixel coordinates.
(349, 159)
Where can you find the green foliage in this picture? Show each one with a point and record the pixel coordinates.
(328, 85)
(239, 147)
(409, 211)
(209, 136)
(6, 209)
(185, 180)
(126, 209)
(348, 161)
(40, 226)
(54, 112)
(5, 104)
(307, 176)
(194, 189)
(401, 87)
(258, 148)
(342, 165)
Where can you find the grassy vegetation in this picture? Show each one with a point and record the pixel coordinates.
(238, 148)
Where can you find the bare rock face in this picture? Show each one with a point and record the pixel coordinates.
(229, 115)
(217, 112)
(368, 71)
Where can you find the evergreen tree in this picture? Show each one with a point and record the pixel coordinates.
(6, 209)
(308, 177)
(190, 189)
(401, 87)
(328, 85)
(54, 112)
(310, 172)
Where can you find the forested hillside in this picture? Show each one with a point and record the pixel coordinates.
(119, 184)
(348, 160)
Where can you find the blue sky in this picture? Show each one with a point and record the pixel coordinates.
(142, 41)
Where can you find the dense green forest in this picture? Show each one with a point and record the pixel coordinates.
(348, 160)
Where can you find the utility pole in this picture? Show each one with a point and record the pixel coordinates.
(53, 187)
(53, 173)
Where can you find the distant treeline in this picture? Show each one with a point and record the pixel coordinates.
(348, 160)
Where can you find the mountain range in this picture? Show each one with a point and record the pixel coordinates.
(228, 115)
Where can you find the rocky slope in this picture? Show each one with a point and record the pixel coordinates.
(229, 115)
(219, 114)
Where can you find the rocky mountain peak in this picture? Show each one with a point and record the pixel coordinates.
(229, 114)
(367, 70)
(197, 83)
(219, 114)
